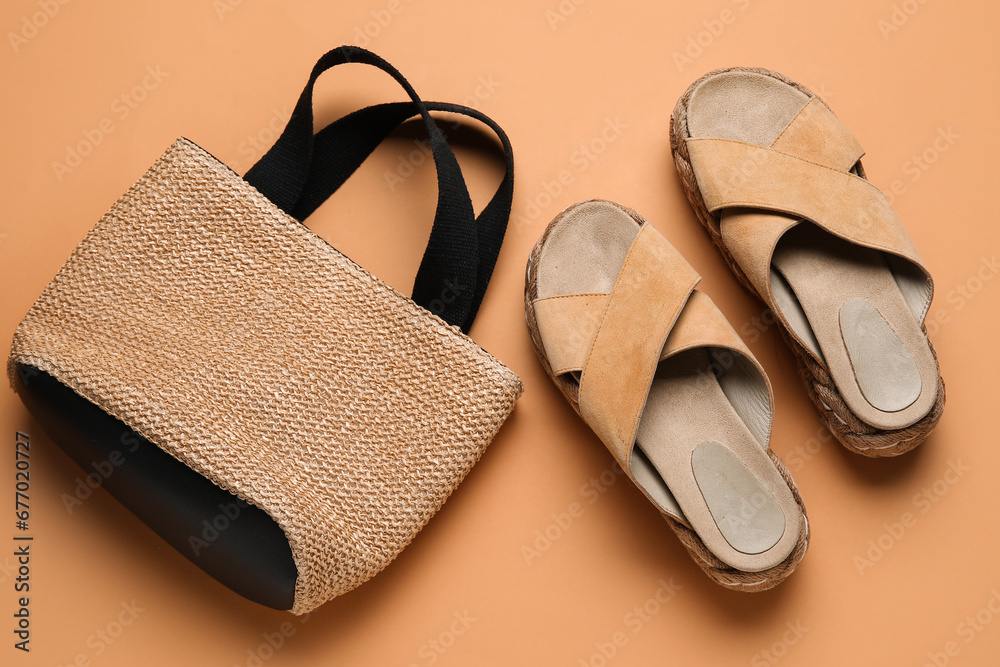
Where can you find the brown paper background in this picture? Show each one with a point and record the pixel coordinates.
(909, 78)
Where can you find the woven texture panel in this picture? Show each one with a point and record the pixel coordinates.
(242, 344)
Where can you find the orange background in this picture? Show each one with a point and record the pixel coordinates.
(585, 89)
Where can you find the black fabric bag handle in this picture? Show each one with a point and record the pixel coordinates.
(301, 170)
(342, 146)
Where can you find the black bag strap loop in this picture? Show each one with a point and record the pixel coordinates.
(342, 146)
(301, 170)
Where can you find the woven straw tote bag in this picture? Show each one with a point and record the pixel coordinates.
(277, 414)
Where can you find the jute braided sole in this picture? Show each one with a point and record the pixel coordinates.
(853, 433)
(721, 573)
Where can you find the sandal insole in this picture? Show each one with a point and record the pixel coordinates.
(726, 484)
(856, 314)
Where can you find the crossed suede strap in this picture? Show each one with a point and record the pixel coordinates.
(615, 341)
(804, 174)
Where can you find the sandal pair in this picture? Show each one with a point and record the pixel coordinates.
(658, 373)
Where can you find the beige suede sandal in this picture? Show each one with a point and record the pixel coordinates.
(661, 377)
(777, 181)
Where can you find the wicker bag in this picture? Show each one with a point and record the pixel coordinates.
(279, 415)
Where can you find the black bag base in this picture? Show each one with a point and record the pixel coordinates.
(238, 544)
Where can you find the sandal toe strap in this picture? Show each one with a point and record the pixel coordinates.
(804, 175)
(652, 288)
(616, 340)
